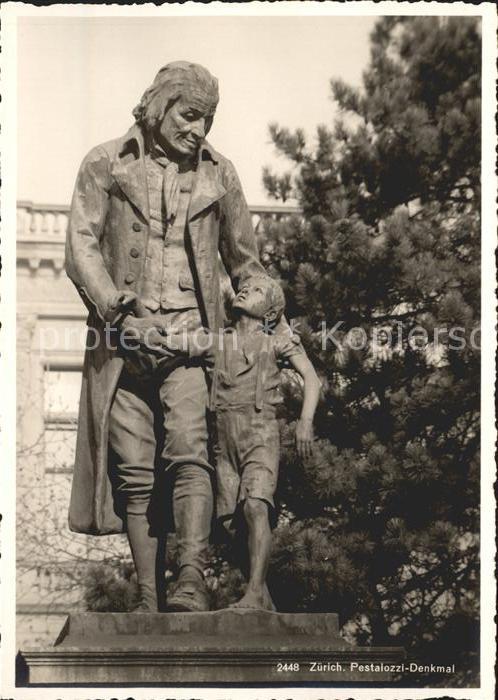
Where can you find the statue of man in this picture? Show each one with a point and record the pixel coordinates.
(150, 213)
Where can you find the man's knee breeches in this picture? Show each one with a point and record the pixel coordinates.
(155, 427)
(184, 398)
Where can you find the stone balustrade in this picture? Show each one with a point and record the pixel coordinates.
(271, 211)
(48, 222)
(41, 222)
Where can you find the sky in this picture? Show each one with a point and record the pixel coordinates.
(79, 79)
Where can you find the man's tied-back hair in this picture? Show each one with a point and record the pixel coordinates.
(275, 293)
(174, 80)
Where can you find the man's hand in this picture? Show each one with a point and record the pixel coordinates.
(194, 344)
(304, 437)
(144, 334)
(176, 342)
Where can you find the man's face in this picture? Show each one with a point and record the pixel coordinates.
(186, 124)
(254, 299)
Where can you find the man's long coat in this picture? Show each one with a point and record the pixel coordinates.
(105, 255)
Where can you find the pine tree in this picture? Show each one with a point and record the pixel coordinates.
(381, 524)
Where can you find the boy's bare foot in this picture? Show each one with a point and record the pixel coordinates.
(255, 600)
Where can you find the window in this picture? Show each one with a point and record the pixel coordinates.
(62, 394)
(61, 400)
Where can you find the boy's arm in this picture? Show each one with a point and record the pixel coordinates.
(198, 343)
(312, 385)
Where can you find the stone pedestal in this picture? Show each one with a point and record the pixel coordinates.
(226, 646)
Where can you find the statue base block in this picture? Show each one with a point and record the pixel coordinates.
(222, 647)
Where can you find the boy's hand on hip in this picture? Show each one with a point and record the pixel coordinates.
(304, 437)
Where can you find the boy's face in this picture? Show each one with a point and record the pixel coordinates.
(254, 299)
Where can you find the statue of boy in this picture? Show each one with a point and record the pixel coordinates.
(245, 395)
(151, 213)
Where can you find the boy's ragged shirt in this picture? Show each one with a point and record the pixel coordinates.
(248, 368)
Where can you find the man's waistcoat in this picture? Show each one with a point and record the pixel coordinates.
(168, 279)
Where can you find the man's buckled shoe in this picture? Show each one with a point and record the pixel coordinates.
(188, 596)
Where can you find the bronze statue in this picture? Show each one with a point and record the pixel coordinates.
(150, 213)
(245, 396)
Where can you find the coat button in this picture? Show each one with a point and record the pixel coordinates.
(129, 278)
(137, 227)
(134, 252)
